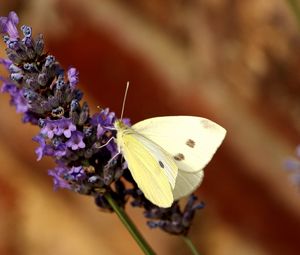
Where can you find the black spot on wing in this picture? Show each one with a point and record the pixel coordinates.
(179, 157)
(191, 143)
(161, 164)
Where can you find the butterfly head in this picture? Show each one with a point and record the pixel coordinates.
(119, 125)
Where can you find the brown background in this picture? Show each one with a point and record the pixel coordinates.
(235, 62)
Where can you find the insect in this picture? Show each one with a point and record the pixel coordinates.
(166, 155)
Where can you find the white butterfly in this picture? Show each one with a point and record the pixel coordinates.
(166, 155)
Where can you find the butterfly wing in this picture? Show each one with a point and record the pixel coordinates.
(152, 168)
(192, 141)
(186, 183)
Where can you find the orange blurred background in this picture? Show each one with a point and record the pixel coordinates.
(235, 62)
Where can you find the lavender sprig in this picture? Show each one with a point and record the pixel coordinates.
(292, 165)
(47, 97)
(79, 143)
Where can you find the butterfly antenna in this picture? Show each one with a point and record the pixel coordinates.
(124, 100)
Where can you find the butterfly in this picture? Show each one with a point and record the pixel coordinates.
(166, 155)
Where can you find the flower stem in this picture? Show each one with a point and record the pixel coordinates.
(190, 244)
(295, 8)
(130, 226)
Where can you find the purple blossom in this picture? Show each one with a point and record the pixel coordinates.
(58, 127)
(29, 117)
(5, 62)
(51, 148)
(104, 121)
(50, 129)
(8, 25)
(65, 127)
(73, 77)
(60, 150)
(17, 98)
(16, 76)
(8, 87)
(76, 173)
(76, 141)
(40, 150)
(14, 69)
(19, 101)
(44, 149)
(39, 89)
(58, 173)
(292, 165)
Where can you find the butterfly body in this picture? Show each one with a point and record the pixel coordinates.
(166, 155)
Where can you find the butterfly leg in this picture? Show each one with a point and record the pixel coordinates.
(113, 158)
(103, 145)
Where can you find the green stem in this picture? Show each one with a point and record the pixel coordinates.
(190, 244)
(130, 226)
(294, 4)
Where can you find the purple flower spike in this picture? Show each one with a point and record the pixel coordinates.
(60, 150)
(19, 101)
(44, 149)
(8, 86)
(57, 150)
(76, 141)
(57, 173)
(73, 77)
(104, 121)
(48, 96)
(292, 165)
(76, 173)
(40, 150)
(5, 62)
(66, 127)
(17, 98)
(50, 129)
(8, 25)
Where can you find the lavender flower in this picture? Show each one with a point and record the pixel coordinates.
(50, 129)
(46, 96)
(292, 165)
(104, 121)
(59, 127)
(76, 141)
(65, 127)
(8, 25)
(44, 149)
(73, 77)
(77, 173)
(173, 220)
(59, 182)
(5, 62)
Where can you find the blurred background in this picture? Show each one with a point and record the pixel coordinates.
(235, 62)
